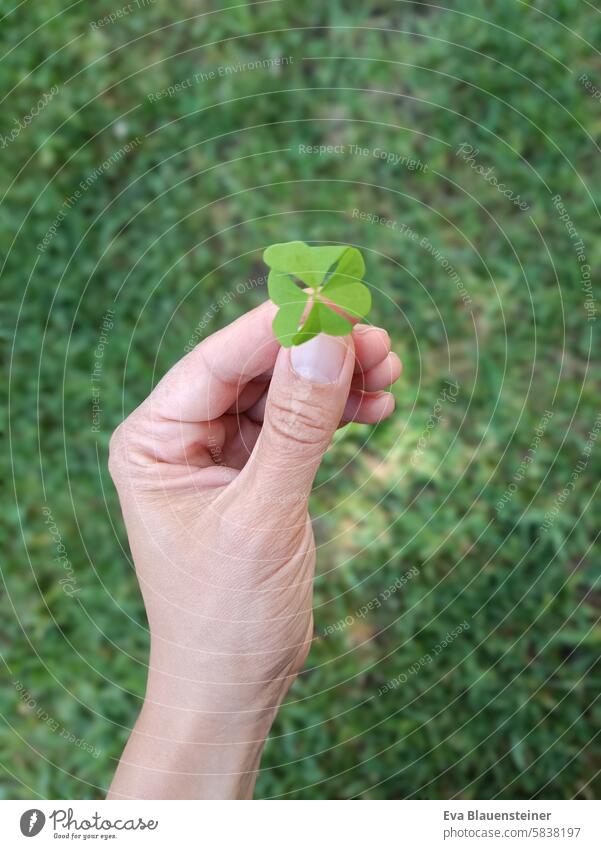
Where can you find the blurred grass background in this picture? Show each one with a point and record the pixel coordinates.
(510, 707)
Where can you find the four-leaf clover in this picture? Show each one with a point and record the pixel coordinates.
(332, 277)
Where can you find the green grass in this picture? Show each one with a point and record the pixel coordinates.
(510, 707)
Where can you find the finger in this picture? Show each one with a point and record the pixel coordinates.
(249, 396)
(380, 376)
(361, 407)
(305, 403)
(207, 381)
(372, 345)
(241, 435)
(182, 443)
(256, 413)
(371, 349)
(367, 407)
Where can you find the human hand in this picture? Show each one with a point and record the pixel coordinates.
(214, 472)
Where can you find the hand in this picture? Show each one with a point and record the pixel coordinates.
(214, 472)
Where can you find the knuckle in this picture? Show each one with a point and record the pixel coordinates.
(301, 424)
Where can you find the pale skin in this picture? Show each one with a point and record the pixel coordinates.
(214, 471)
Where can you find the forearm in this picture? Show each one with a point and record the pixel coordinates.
(173, 756)
(194, 740)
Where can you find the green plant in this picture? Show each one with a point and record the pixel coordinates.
(333, 276)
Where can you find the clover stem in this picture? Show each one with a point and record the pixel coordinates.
(311, 301)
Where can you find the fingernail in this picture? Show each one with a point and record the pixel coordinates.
(320, 359)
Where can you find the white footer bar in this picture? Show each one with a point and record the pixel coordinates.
(303, 825)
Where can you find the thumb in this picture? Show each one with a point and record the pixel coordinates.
(305, 402)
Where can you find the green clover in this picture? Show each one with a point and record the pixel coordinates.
(332, 276)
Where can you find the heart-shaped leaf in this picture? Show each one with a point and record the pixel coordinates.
(350, 265)
(334, 276)
(321, 319)
(283, 290)
(286, 325)
(332, 322)
(308, 264)
(292, 301)
(353, 298)
(344, 288)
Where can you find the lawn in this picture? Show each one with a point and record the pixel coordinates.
(146, 160)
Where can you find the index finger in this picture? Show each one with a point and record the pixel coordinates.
(207, 381)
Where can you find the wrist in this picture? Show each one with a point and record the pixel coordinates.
(206, 714)
(225, 693)
(196, 739)
(182, 755)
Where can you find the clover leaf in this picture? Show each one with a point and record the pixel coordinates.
(332, 277)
